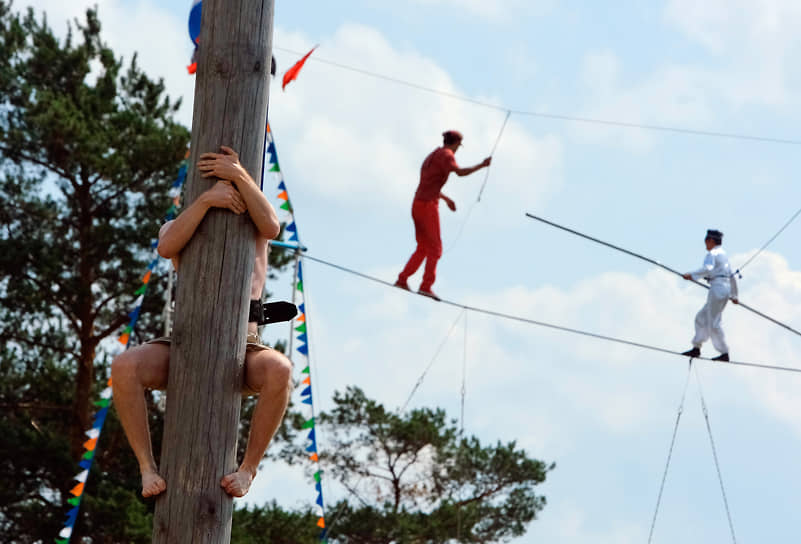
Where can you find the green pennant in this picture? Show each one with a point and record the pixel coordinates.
(275, 168)
(62, 541)
(309, 424)
(317, 476)
(102, 403)
(285, 206)
(88, 455)
(305, 370)
(171, 209)
(301, 327)
(141, 290)
(300, 286)
(74, 501)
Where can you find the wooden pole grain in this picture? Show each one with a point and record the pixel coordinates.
(209, 334)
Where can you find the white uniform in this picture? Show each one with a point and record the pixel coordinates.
(722, 286)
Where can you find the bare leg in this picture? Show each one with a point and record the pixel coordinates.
(269, 373)
(144, 366)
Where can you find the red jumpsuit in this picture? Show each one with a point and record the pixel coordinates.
(425, 212)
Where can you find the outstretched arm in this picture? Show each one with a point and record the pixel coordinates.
(175, 234)
(451, 204)
(226, 166)
(467, 171)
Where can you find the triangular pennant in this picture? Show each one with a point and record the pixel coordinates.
(135, 314)
(88, 455)
(92, 433)
(314, 457)
(308, 424)
(312, 447)
(307, 380)
(282, 186)
(154, 244)
(319, 487)
(74, 501)
(101, 403)
(291, 227)
(317, 476)
(307, 400)
(85, 463)
(300, 278)
(137, 302)
(81, 476)
(300, 286)
(306, 391)
(62, 541)
(275, 168)
(311, 436)
(302, 307)
(301, 328)
(66, 532)
(321, 523)
(90, 444)
(319, 500)
(286, 206)
(72, 515)
(283, 195)
(153, 264)
(123, 339)
(77, 490)
(304, 349)
(322, 536)
(129, 329)
(306, 370)
(303, 338)
(100, 416)
(141, 290)
(106, 393)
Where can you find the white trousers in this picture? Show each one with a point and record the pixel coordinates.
(708, 319)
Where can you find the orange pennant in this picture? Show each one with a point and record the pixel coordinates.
(314, 457)
(77, 490)
(283, 195)
(109, 382)
(301, 318)
(90, 444)
(307, 381)
(123, 339)
(147, 277)
(321, 523)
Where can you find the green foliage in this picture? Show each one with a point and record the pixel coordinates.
(414, 478)
(270, 524)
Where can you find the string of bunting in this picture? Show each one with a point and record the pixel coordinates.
(301, 330)
(104, 403)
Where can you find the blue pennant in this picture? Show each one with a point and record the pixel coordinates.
(153, 264)
(322, 534)
(300, 276)
(311, 448)
(282, 186)
(311, 435)
(291, 227)
(86, 464)
(320, 500)
(135, 313)
(72, 515)
(154, 244)
(319, 487)
(304, 349)
(100, 416)
(307, 400)
(302, 338)
(306, 391)
(302, 306)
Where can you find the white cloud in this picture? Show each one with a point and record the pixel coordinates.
(496, 11)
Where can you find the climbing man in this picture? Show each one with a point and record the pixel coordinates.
(722, 287)
(267, 373)
(425, 210)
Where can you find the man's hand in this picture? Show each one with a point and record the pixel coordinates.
(686, 276)
(225, 195)
(486, 162)
(735, 300)
(451, 204)
(223, 165)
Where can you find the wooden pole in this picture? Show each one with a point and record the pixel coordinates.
(209, 334)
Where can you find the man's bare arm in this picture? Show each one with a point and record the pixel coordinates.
(467, 171)
(226, 166)
(175, 234)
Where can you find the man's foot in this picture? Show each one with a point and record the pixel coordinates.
(237, 484)
(721, 357)
(402, 284)
(695, 352)
(152, 484)
(428, 293)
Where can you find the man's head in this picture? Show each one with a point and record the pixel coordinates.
(713, 238)
(452, 139)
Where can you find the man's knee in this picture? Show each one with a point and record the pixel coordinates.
(123, 369)
(146, 365)
(268, 370)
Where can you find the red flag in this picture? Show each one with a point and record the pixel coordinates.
(292, 73)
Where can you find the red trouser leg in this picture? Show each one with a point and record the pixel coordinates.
(429, 246)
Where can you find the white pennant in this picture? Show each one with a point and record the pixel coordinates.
(106, 394)
(66, 532)
(92, 433)
(82, 476)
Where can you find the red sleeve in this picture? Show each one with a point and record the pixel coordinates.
(449, 162)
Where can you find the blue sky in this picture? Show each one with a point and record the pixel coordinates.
(350, 149)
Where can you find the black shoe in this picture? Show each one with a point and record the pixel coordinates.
(721, 357)
(429, 293)
(695, 352)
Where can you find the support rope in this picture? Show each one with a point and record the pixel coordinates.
(670, 453)
(755, 255)
(715, 456)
